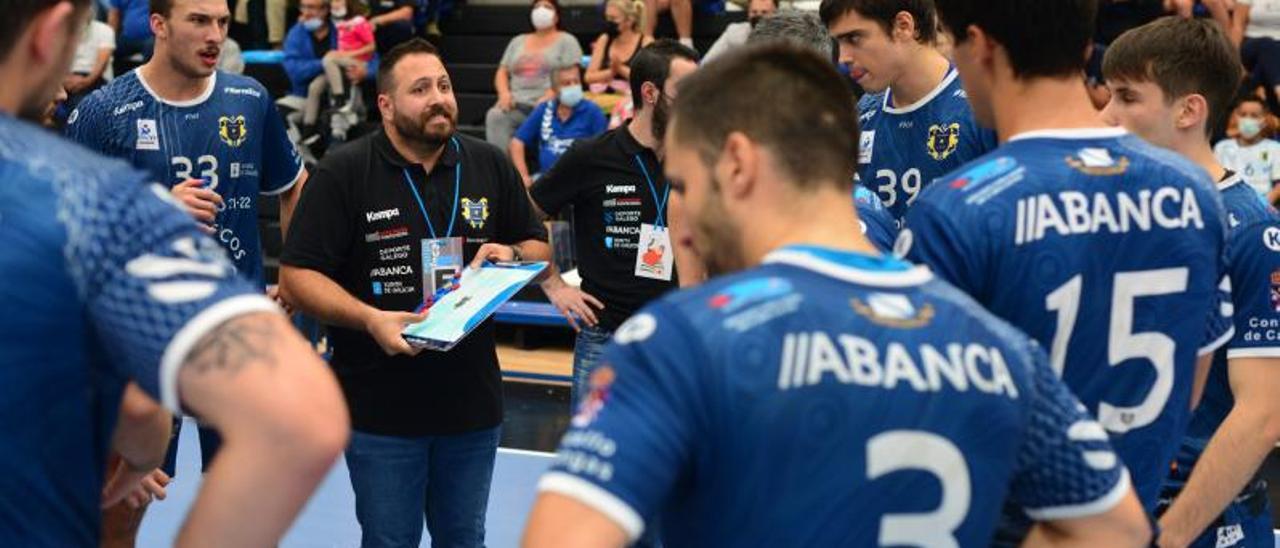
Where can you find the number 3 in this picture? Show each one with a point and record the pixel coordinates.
(208, 169)
(913, 450)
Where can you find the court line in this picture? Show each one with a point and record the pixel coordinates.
(526, 452)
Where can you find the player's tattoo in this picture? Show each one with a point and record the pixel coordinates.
(234, 345)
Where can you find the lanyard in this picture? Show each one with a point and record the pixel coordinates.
(661, 203)
(457, 188)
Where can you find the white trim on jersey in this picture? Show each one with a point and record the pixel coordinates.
(597, 498)
(1260, 352)
(887, 108)
(913, 276)
(195, 329)
(1218, 343)
(1097, 506)
(1079, 133)
(1233, 180)
(208, 92)
(302, 168)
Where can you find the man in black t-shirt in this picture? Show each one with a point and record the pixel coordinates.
(426, 425)
(619, 197)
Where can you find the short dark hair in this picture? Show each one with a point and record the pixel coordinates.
(161, 7)
(1182, 57)
(883, 12)
(18, 15)
(1247, 96)
(1044, 38)
(416, 46)
(815, 138)
(653, 64)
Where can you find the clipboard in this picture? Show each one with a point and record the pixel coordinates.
(479, 294)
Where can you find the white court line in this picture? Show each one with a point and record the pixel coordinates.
(527, 453)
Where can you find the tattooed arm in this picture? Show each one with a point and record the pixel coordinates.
(283, 424)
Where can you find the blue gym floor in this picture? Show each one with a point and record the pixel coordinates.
(329, 519)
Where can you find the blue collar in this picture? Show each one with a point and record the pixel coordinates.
(852, 259)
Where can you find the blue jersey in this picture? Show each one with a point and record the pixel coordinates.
(829, 399)
(99, 275)
(877, 224)
(1107, 251)
(1253, 261)
(902, 150)
(552, 136)
(232, 137)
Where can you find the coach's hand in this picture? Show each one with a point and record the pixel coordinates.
(574, 303)
(200, 202)
(493, 253)
(385, 328)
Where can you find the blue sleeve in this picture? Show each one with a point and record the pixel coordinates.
(931, 238)
(599, 122)
(87, 126)
(877, 223)
(528, 132)
(632, 437)
(281, 163)
(153, 284)
(1255, 290)
(1066, 467)
(300, 61)
(372, 68)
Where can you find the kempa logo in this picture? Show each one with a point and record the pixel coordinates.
(391, 271)
(384, 215)
(620, 189)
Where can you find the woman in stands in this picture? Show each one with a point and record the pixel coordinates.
(524, 75)
(611, 54)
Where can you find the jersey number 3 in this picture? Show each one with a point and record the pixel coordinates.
(914, 450)
(1122, 343)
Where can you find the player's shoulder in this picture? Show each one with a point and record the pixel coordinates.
(46, 156)
(869, 105)
(977, 183)
(1146, 156)
(707, 312)
(1245, 207)
(121, 96)
(956, 308)
(231, 85)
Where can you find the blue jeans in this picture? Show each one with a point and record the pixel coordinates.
(399, 480)
(587, 351)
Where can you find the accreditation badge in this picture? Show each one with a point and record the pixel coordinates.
(441, 261)
(655, 259)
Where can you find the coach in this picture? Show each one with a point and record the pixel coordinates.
(426, 424)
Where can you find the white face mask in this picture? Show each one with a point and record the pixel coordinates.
(1249, 127)
(543, 17)
(339, 13)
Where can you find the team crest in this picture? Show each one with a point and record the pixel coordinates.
(232, 130)
(894, 311)
(943, 140)
(475, 212)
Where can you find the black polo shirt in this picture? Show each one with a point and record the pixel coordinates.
(359, 224)
(611, 199)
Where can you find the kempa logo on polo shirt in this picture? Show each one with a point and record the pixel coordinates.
(384, 215)
(620, 189)
(391, 271)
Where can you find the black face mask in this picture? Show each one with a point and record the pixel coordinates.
(753, 21)
(612, 28)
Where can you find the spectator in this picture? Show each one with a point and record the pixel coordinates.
(356, 46)
(274, 13)
(91, 66)
(523, 78)
(232, 59)
(1255, 26)
(609, 72)
(131, 21)
(554, 125)
(736, 34)
(392, 22)
(305, 49)
(1251, 153)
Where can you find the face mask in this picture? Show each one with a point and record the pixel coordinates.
(339, 13)
(612, 29)
(570, 96)
(312, 24)
(543, 17)
(1249, 127)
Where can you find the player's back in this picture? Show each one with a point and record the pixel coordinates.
(1107, 251)
(827, 399)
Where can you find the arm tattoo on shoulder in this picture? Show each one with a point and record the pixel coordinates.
(234, 345)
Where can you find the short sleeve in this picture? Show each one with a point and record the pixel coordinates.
(87, 124)
(528, 131)
(930, 238)
(321, 231)
(519, 222)
(282, 165)
(1223, 155)
(1066, 467)
(154, 285)
(569, 51)
(513, 50)
(559, 186)
(106, 36)
(1255, 291)
(632, 438)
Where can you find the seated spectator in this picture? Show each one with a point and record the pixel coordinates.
(91, 66)
(232, 57)
(736, 34)
(305, 49)
(392, 22)
(131, 21)
(554, 125)
(523, 78)
(681, 15)
(1251, 153)
(609, 71)
(1255, 25)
